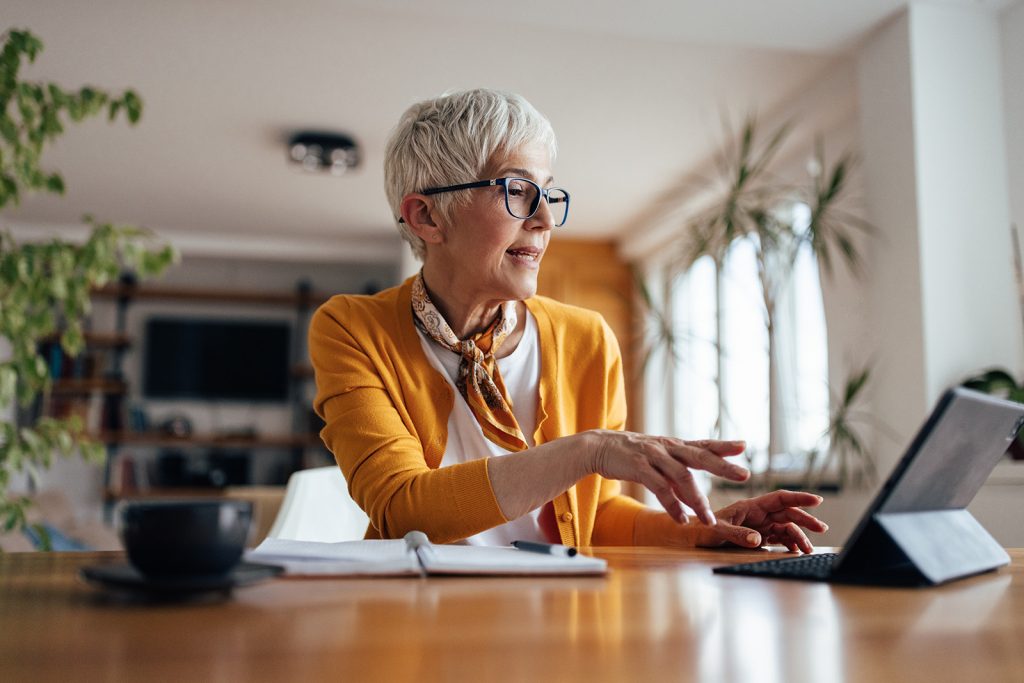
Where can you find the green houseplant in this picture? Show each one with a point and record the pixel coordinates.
(45, 287)
(855, 464)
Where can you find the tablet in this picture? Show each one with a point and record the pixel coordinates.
(917, 530)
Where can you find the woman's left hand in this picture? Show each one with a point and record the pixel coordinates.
(775, 517)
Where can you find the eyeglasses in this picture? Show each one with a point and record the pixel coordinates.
(522, 197)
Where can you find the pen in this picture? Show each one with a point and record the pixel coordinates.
(546, 548)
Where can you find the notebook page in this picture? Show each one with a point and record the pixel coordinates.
(310, 558)
(468, 559)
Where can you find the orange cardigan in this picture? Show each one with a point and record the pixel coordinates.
(386, 411)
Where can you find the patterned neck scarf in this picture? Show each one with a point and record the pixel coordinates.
(479, 380)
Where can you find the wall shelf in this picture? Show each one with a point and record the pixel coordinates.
(88, 385)
(164, 293)
(97, 340)
(111, 496)
(161, 440)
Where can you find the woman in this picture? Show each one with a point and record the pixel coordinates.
(462, 405)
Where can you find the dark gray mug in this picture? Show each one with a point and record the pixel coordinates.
(185, 538)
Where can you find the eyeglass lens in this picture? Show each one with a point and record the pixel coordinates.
(524, 198)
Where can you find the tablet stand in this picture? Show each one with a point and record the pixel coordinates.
(928, 547)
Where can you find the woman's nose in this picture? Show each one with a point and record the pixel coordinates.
(543, 218)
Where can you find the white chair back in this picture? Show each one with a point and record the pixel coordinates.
(317, 507)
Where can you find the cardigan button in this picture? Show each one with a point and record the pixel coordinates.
(566, 517)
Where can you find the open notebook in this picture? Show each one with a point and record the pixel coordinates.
(414, 555)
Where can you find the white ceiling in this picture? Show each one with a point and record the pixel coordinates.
(634, 90)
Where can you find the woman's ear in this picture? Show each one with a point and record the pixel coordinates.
(418, 213)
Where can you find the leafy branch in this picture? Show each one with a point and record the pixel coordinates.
(45, 288)
(31, 116)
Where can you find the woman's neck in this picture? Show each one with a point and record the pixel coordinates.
(466, 315)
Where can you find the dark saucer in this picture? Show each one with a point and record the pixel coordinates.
(125, 577)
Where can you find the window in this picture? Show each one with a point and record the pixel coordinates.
(699, 388)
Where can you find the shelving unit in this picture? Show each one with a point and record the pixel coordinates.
(114, 388)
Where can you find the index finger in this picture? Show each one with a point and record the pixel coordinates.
(778, 500)
(692, 455)
(717, 447)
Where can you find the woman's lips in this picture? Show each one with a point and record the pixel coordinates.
(527, 256)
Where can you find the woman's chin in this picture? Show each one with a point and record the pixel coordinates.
(520, 287)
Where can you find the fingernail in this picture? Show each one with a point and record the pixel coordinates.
(753, 538)
(711, 521)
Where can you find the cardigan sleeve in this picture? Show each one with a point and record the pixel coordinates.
(374, 440)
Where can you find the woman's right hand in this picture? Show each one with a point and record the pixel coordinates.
(665, 466)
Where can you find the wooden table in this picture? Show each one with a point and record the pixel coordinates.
(658, 615)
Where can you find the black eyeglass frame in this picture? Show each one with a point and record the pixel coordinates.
(541, 192)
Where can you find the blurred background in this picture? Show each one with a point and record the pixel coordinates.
(649, 102)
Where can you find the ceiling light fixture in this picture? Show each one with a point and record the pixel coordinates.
(334, 153)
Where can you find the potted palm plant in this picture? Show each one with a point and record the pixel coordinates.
(749, 202)
(45, 287)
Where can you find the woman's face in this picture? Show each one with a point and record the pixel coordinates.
(489, 254)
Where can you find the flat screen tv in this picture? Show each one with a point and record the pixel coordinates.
(216, 360)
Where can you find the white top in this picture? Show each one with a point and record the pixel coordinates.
(520, 371)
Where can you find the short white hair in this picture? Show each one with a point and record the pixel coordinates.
(451, 139)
